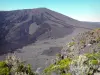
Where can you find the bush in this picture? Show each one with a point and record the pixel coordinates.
(85, 64)
(2, 64)
(4, 71)
(71, 44)
(60, 67)
(13, 66)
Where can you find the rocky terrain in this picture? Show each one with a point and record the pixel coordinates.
(81, 56)
(22, 27)
(87, 42)
(37, 35)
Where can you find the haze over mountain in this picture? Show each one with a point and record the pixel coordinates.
(39, 31)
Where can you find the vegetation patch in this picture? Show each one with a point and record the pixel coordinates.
(71, 44)
(85, 64)
(13, 66)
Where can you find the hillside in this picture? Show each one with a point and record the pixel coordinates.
(22, 27)
(87, 42)
(37, 35)
(81, 56)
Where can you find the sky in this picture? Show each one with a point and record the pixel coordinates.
(83, 10)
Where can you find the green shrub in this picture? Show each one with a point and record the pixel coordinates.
(94, 62)
(84, 64)
(25, 69)
(13, 66)
(71, 44)
(93, 56)
(66, 74)
(98, 39)
(2, 64)
(59, 66)
(82, 42)
(4, 71)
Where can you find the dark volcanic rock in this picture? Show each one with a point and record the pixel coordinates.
(52, 51)
(22, 27)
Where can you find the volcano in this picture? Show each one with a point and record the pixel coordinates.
(39, 31)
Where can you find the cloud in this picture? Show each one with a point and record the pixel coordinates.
(93, 18)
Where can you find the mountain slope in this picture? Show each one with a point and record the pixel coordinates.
(37, 34)
(26, 26)
(81, 56)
